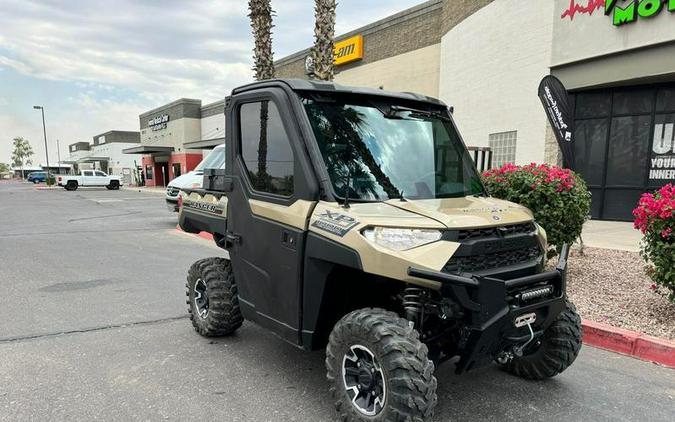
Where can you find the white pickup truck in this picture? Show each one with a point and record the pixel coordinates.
(89, 178)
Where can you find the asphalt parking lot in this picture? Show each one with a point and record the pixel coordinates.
(93, 327)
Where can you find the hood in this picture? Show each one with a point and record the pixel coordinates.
(467, 211)
(191, 179)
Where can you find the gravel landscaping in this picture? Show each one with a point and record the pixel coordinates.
(610, 286)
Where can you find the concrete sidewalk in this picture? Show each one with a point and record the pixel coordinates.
(611, 235)
(161, 190)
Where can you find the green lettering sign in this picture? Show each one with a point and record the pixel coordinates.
(648, 8)
(629, 11)
(624, 15)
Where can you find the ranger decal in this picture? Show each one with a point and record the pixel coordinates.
(203, 206)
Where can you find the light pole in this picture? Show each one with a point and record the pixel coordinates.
(44, 130)
(58, 155)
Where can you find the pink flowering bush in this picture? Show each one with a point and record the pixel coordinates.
(558, 197)
(655, 218)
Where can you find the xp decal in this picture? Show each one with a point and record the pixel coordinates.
(336, 223)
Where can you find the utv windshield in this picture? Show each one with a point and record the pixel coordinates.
(390, 151)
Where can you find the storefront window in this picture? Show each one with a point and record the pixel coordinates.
(633, 102)
(593, 105)
(589, 149)
(148, 172)
(628, 146)
(624, 145)
(665, 100)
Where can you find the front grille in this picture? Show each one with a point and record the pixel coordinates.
(172, 191)
(481, 233)
(488, 261)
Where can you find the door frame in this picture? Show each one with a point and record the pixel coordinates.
(305, 188)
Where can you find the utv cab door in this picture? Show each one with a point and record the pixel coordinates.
(273, 195)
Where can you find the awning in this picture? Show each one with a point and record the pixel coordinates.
(204, 143)
(148, 149)
(92, 158)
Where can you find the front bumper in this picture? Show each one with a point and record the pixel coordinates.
(491, 306)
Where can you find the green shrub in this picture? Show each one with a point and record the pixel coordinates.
(558, 197)
(655, 218)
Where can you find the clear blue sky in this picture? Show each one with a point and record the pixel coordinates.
(96, 65)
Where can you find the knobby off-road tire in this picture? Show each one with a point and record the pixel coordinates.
(409, 383)
(214, 278)
(559, 347)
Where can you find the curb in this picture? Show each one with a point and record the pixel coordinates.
(630, 343)
(203, 235)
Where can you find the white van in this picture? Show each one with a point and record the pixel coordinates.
(194, 178)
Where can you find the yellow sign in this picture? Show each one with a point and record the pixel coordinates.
(349, 50)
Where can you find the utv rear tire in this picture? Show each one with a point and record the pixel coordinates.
(559, 347)
(213, 279)
(401, 364)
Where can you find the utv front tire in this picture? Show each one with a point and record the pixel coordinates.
(378, 369)
(558, 348)
(212, 299)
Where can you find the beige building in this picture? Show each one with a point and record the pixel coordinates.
(485, 58)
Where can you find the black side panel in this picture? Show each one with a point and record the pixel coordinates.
(268, 269)
(321, 256)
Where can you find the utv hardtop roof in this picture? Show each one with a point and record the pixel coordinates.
(331, 87)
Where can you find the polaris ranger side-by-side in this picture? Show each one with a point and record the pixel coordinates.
(355, 220)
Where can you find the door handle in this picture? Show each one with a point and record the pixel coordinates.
(288, 239)
(233, 238)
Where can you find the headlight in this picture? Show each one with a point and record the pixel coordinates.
(401, 239)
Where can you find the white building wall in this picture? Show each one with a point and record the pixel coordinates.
(414, 71)
(213, 127)
(118, 160)
(491, 66)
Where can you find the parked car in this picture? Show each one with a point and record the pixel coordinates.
(194, 178)
(37, 177)
(89, 178)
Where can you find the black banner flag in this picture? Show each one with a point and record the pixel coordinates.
(557, 104)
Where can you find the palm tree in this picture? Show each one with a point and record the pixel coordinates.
(22, 153)
(260, 13)
(324, 31)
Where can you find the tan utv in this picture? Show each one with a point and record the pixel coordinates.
(355, 221)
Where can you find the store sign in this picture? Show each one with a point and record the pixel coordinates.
(662, 162)
(159, 122)
(349, 50)
(621, 11)
(629, 11)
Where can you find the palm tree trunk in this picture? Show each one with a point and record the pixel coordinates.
(324, 31)
(260, 13)
(261, 181)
